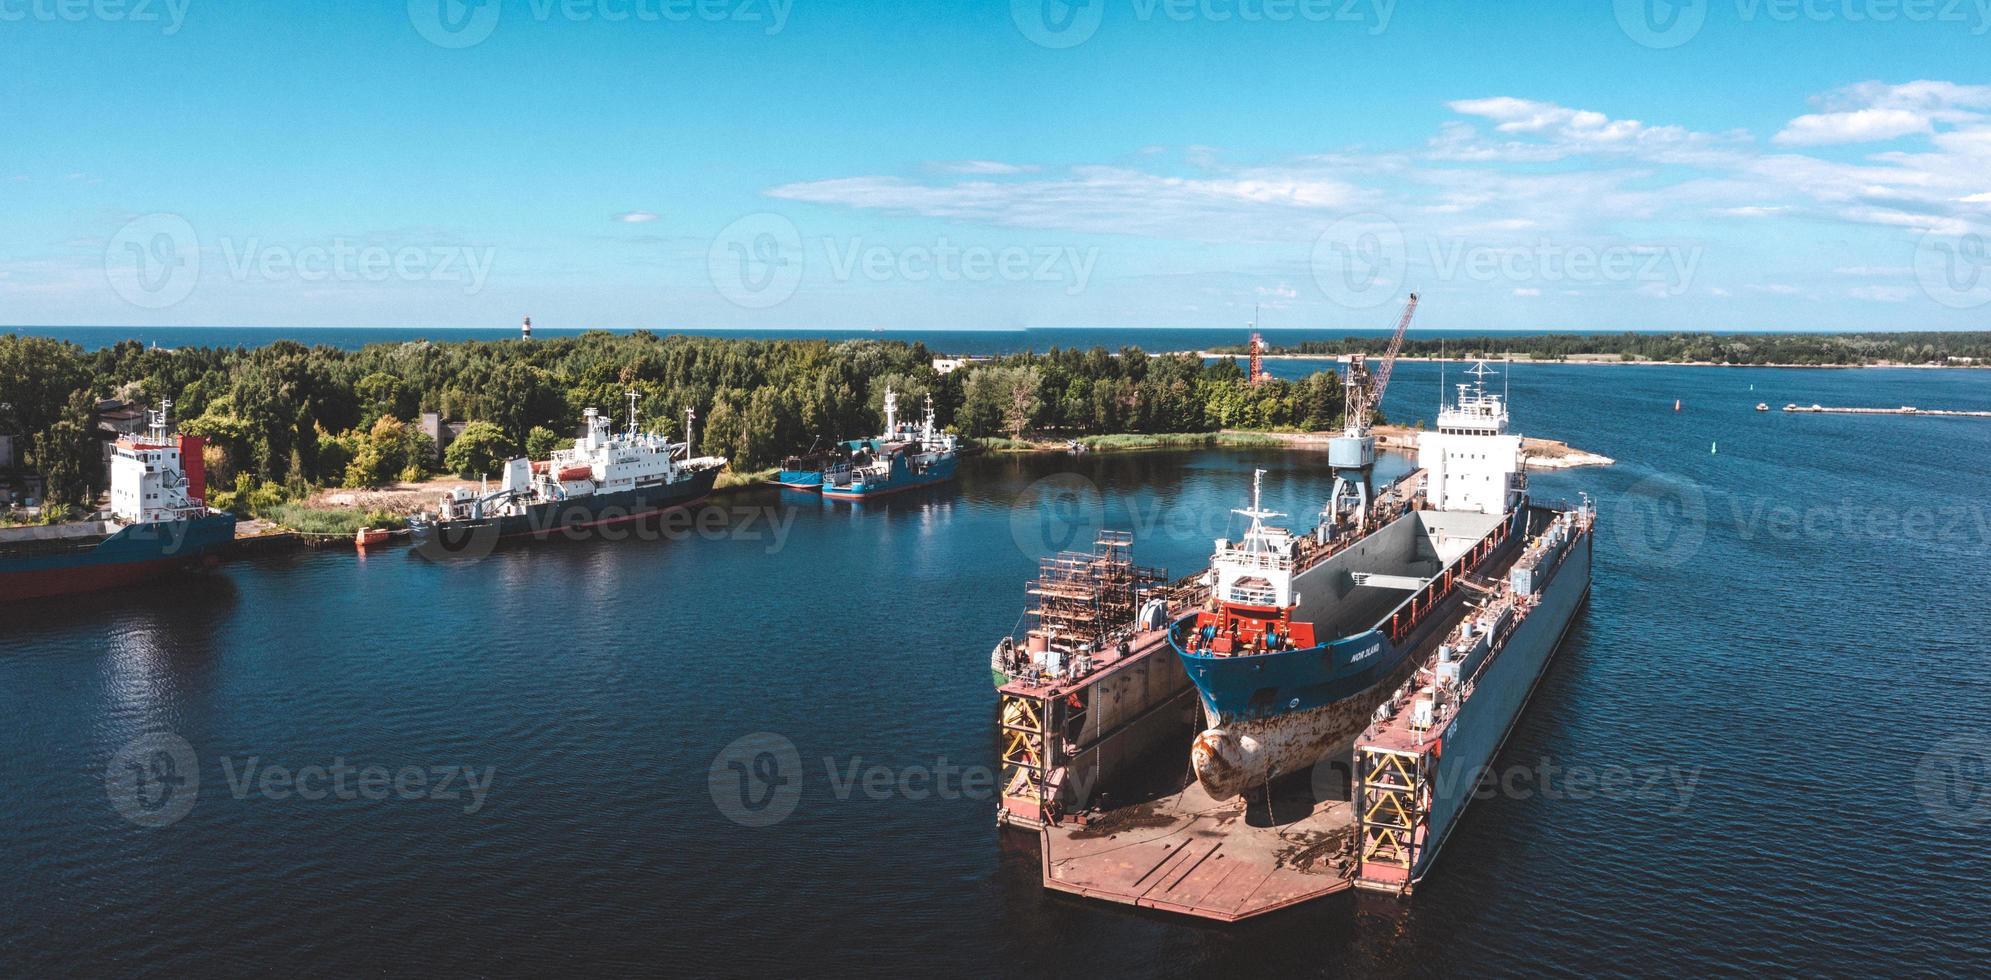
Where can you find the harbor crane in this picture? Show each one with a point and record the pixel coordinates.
(1352, 455)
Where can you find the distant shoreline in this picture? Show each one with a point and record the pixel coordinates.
(1600, 361)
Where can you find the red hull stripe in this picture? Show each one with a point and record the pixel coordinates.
(84, 578)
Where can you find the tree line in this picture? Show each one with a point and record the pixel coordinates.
(286, 417)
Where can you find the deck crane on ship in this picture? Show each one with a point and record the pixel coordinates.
(1352, 455)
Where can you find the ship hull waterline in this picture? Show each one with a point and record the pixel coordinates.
(571, 518)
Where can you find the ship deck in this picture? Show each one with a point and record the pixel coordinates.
(1187, 853)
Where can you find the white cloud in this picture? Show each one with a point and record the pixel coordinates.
(1776, 288)
(1098, 199)
(983, 168)
(637, 217)
(1882, 294)
(1753, 211)
(1527, 291)
(1859, 126)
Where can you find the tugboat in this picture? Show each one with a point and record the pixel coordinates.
(159, 521)
(603, 479)
(1304, 638)
(906, 457)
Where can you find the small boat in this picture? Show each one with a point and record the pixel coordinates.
(367, 537)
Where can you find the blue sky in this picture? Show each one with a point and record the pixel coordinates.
(1637, 164)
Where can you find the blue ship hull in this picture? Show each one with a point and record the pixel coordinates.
(1258, 686)
(801, 479)
(135, 553)
(901, 478)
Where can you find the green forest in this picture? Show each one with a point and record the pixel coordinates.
(283, 418)
(1744, 349)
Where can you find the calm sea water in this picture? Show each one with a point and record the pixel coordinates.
(1791, 624)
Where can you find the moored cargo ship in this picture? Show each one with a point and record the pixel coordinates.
(159, 522)
(907, 457)
(603, 479)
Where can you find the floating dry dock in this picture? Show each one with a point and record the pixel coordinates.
(1355, 685)
(1082, 756)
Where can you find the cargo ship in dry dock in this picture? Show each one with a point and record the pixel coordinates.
(159, 521)
(907, 457)
(605, 478)
(1380, 661)
(1300, 646)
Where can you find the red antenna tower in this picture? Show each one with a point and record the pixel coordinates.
(1257, 375)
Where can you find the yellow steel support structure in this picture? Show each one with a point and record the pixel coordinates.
(1393, 802)
(1025, 749)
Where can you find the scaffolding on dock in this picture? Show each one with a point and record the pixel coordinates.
(1083, 600)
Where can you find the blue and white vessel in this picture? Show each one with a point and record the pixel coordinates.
(907, 457)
